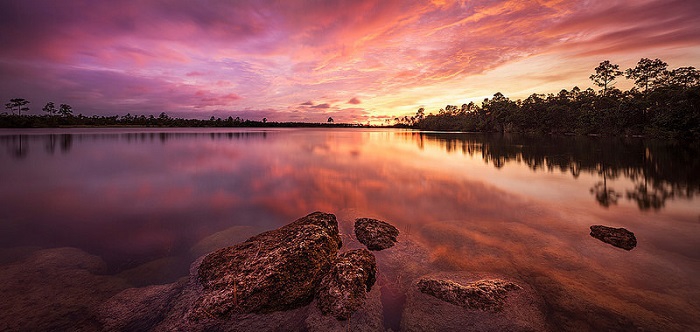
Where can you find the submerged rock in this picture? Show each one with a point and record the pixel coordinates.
(272, 271)
(139, 309)
(226, 238)
(472, 302)
(375, 234)
(480, 294)
(618, 237)
(55, 289)
(343, 290)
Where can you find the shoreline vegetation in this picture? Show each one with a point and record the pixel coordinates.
(662, 104)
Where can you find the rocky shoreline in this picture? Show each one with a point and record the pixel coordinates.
(297, 278)
(304, 276)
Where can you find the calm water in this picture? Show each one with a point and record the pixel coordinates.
(135, 207)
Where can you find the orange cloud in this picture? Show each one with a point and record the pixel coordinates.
(396, 55)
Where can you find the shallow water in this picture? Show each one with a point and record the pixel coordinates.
(137, 206)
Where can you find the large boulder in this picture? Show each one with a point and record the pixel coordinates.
(344, 289)
(618, 237)
(375, 234)
(272, 271)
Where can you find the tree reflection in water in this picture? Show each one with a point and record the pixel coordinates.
(659, 170)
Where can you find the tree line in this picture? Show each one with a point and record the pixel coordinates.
(662, 103)
(63, 117)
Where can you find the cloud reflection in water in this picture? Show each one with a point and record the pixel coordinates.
(135, 198)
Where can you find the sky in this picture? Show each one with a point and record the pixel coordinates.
(357, 61)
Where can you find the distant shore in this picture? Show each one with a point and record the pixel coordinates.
(444, 122)
(162, 121)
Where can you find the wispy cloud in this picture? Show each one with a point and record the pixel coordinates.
(250, 55)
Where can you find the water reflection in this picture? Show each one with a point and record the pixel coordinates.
(16, 145)
(147, 203)
(659, 171)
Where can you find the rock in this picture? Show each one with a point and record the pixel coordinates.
(55, 289)
(157, 272)
(375, 234)
(488, 294)
(139, 309)
(10, 255)
(368, 318)
(272, 271)
(343, 290)
(618, 237)
(522, 309)
(226, 238)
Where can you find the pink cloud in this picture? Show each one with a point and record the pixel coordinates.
(261, 55)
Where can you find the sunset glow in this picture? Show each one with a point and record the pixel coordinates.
(357, 61)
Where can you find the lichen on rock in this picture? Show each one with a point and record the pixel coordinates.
(618, 237)
(272, 271)
(343, 290)
(487, 294)
(375, 234)
(468, 301)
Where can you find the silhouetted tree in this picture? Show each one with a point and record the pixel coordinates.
(50, 108)
(330, 119)
(420, 114)
(605, 75)
(647, 73)
(65, 110)
(685, 77)
(264, 120)
(497, 111)
(19, 104)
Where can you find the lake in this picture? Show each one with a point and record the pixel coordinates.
(86, 213)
